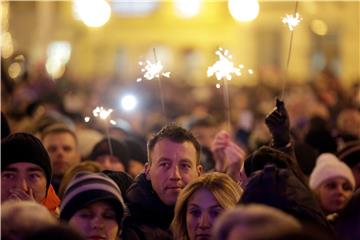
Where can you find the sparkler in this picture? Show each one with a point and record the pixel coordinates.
(103, 114)
(224, 67)
(292, 23)
(154, 70)
(223, 70)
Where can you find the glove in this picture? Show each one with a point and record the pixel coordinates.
(278, 123)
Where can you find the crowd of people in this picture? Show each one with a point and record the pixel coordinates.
(290, 173)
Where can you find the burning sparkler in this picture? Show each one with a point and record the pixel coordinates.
(103, 114)
(223, 70)
(224, 67)
(292, 21)
(152, 70)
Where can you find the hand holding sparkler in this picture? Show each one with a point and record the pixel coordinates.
(278, 123)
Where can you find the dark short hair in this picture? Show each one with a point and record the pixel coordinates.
(176, 134)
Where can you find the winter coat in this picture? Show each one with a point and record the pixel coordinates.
(149, 217)
(276, 181)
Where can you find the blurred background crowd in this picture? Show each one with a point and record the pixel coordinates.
(61, 60)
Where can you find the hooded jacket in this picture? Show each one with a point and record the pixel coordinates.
(276, 181)
(149, 217)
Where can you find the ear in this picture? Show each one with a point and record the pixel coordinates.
(147, 170)
(199, 169)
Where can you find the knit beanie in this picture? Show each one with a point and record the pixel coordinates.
(24, 147)
(350, 153)
(329, 166)
(119, 150)
(87, 188)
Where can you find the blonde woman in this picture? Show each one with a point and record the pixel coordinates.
(200, 203)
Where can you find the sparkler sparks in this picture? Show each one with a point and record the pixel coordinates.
(292, 21)
(224, 67)
(152, 70)
(102, 113)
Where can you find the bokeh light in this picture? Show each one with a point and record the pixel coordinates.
(319, 27)
(58, 54)
(14, 70)
(187, 8)
(244, 10)
(128, 102)
(94, 13)
(7, 48)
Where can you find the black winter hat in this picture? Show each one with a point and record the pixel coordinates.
(122, 179)
(350, 153)
(24, 147)
(119, 149)
(136, 149)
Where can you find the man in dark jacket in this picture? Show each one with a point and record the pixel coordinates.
(173, 161)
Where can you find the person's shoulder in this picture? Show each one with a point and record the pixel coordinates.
(134, 230)
(139, 189)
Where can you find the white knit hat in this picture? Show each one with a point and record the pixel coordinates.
(329, 166)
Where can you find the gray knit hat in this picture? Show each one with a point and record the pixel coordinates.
(87, 188)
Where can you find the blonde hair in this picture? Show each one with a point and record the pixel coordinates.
(260, 222)
(222, 186)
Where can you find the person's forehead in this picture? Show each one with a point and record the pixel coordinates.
(169, 149)
(203, 197)
(337, 179)
(24, 166)
(62, 136)
(167, 145)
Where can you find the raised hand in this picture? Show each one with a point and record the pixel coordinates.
(21, 195)
(229, 157)
(279, 125)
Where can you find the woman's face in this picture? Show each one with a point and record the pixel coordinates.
(334, 194)
(202, 210)
(97, 221)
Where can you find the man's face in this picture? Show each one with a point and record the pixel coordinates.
(173, 166)
(23, 181)
(63, 152)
